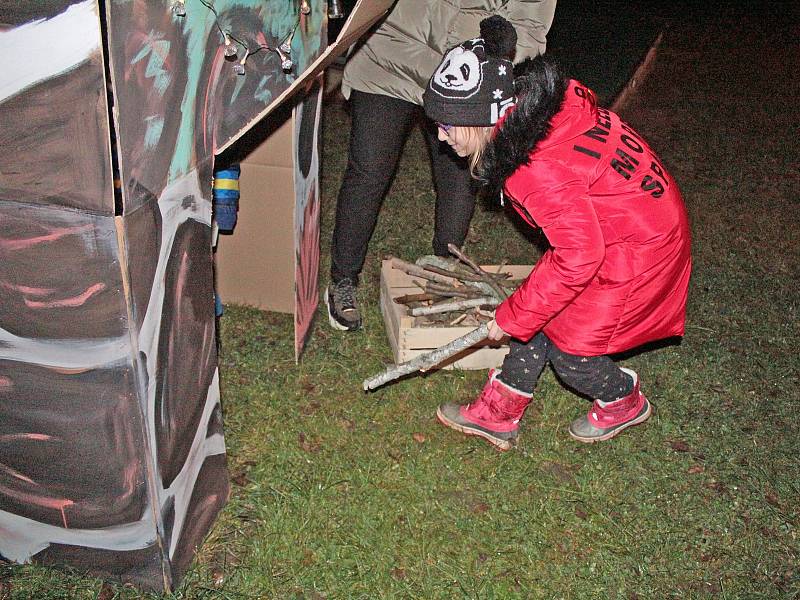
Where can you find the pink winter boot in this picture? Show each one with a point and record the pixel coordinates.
(604, 422)
(494, 416)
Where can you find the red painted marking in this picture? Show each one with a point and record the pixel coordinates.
(72, 302)
(55, 233)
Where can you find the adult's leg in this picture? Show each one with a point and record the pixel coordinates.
(380, 125)
(455, 193)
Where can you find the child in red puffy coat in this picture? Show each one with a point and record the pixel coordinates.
(617, 272)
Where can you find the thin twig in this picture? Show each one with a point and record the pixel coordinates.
(458, 319)
(487, 278)
(454, 274)
(417, 271)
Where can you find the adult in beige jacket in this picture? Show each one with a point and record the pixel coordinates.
(384, 79)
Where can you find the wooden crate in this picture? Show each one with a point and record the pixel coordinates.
(408, 341)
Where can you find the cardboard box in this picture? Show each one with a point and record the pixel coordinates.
(409, 340)
(255, 265)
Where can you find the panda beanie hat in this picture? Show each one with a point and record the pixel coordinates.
(474, 83)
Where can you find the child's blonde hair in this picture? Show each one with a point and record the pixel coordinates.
(481, 135)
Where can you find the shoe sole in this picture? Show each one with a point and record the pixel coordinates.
(501, 445)
(333, 322)
(607, 436)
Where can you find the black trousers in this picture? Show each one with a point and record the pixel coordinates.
(380, 126)
(596, 377)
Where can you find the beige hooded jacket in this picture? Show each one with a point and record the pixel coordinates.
(398, 58)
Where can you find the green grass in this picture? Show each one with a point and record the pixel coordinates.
(342, 494)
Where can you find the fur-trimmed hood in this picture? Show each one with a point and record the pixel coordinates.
(540, 88)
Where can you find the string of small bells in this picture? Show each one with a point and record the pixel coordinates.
(231, 51)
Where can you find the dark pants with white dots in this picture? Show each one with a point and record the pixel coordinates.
(596, 377)
(380, 126)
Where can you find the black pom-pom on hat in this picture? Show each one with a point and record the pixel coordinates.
(499, 37)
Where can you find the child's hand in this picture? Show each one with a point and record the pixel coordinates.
(496, 333)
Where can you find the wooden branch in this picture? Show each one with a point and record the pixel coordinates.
(462, 273)
(423, 362)
(462, 276)
(443, 307)
(458, 319)
(435, 288)
(408, 298)
(418, 271)
(487, 277)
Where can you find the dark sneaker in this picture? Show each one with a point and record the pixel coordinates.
(494, 415)
(604, 422)
(343, 313)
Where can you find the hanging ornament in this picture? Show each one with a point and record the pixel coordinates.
(335, 9)
(305, 7)
(286, 63)
(238, 68)
(230, 49)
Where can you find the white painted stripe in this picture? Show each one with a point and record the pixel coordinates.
(45, 48)
(66, 353)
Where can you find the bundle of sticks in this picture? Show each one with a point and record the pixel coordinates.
(448, 287)
(454, 292)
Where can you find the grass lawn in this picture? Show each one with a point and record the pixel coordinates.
(342, 494)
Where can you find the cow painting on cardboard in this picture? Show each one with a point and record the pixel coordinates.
(112, 455)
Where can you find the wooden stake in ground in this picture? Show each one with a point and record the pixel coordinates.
(423, 362)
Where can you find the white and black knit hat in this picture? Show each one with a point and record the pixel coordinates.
(474, 83)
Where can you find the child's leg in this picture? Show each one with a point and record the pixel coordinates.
(525, 362)
(618, 403)
(596, 377)
(494, 415)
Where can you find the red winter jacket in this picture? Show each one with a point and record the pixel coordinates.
(617, 273)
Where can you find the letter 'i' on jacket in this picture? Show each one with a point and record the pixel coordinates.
(397, 59)
(617, 273)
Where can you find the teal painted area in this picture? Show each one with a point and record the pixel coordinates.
(263, 93)
(155, 125)
(155, 67)
(278, 20)
(157, 50)
(237, 88)
(197, 25)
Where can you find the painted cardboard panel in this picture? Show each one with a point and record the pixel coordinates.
(255, 266)
(251, 266)
(140, 567)
(272, 259)
(112, 316)
(59, 275)
(172, 311)
(53, 107)
(361, 18)
(306, 214)
(161, 62)
(50, 418)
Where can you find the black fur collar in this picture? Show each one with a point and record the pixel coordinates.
(540, 89)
